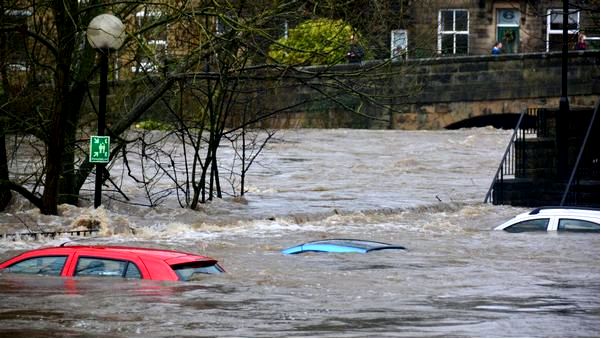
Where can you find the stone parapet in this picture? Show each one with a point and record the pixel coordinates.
(437, 92)
(431, 93)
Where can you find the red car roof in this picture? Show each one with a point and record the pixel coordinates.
(162, 254)
(170, 256)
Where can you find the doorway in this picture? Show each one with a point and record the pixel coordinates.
(508, 29)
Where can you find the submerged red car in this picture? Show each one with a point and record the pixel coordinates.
(112, 261)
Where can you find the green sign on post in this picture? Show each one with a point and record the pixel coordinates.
(100, 147)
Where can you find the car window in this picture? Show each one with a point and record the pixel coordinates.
(106, 268)
(49, 265)
(575, 225)
(132, 271)
(529, 225)
(186, 272)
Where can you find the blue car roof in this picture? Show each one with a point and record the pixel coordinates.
(341, 246)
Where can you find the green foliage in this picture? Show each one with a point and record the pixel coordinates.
(314, 42)
(150, 125)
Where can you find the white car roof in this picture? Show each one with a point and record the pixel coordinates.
(564, 212)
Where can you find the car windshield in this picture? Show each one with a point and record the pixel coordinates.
(362, 244)
(193, 270)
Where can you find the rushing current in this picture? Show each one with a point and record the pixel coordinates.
(423, 190)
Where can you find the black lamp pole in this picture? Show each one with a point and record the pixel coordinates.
(105, 33)
(564, 105)
(102, 93)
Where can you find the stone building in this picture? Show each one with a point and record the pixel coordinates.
(396, 29)
(471, 27)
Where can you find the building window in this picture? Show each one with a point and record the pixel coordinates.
(285, 29)
(219, 26)
(153, 42)
(398, 44)
(555, 28)
(222, 25)
(453, 31)
(17, 56)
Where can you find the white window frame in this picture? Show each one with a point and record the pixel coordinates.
(219, 29)
(151, 13)
(592, 38)
(155, 14)
(17, 12)
(454, 32)
(286, 29)
(149, 66)
(398, 51)
(550, 31)
(19, 66)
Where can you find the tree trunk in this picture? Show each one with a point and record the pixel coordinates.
(60, 113)
(56, 141)
(68, 189)
(5, 194)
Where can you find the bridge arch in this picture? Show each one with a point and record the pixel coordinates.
(503, 121)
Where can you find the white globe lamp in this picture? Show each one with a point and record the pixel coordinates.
(106, 31)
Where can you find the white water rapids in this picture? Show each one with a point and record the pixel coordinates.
(419, 189)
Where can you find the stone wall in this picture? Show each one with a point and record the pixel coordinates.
(434, 93)
(412, 94)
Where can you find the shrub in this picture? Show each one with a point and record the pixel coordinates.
(314, 42)
(154, 125)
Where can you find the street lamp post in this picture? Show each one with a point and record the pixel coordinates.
(105, 33)
(564, 104)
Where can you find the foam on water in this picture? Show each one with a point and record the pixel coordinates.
(419, 189)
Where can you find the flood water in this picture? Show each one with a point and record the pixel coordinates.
(419, 189)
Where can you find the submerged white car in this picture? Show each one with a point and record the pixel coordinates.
(560, 219)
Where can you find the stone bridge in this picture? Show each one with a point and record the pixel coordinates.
(439, 92)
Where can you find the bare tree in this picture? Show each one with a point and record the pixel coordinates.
(210, 87)
(55, 46)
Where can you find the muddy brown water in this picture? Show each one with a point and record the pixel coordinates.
(422, 190)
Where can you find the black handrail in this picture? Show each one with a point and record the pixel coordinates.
(508, 162)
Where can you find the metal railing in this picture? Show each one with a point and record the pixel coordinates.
(513, 156)
(48, 234)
